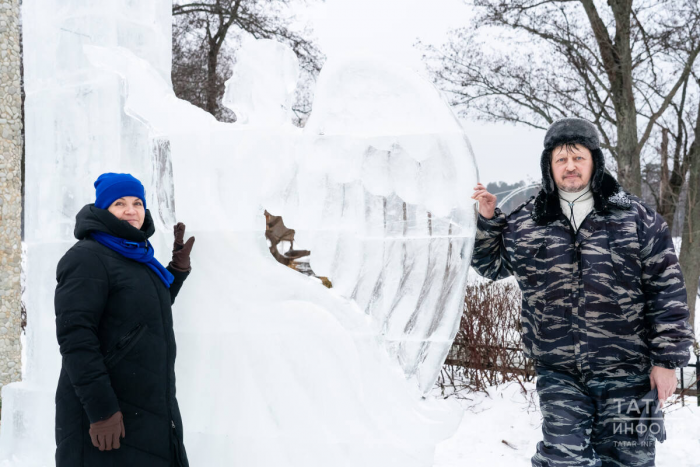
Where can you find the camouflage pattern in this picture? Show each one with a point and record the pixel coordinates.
(591, 420)
(600, 307)
(612, 292)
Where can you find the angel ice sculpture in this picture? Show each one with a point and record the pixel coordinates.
(272, 367)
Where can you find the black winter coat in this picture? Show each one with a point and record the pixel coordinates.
(611, 294)
(115, 331)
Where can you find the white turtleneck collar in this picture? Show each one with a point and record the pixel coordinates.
(582, 204)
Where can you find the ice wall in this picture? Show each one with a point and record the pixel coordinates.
(76, 129)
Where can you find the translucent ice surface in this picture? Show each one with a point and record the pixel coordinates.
(382, 198)
(75, 129)
(261, 90)
(272, 367)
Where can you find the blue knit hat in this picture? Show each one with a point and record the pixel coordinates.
(112, 186)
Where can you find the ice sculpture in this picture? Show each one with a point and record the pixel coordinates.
(75, 129)
(261, 90)
(382, 198)
(272, 367)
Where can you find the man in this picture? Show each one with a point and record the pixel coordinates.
(604, 311)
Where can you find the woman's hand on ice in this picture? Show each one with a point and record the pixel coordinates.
(181, 250)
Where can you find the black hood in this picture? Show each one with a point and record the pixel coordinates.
(92, 218)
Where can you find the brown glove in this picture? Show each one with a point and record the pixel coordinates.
(181, 251)
(105, 433)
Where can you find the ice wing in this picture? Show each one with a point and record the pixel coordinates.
(382, 200)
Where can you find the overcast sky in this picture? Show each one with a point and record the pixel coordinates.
(390, 28)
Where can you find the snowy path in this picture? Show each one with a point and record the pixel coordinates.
(508, 415)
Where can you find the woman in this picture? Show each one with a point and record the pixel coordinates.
(115, 401)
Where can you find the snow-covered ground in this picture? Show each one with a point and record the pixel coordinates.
(502, 428)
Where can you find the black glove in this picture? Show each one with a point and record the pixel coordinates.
(651, 419)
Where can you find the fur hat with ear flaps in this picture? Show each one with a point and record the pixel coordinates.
(606, 190)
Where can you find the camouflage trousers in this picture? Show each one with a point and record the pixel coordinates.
(587, 421)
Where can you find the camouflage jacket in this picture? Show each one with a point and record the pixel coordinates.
(612, 292)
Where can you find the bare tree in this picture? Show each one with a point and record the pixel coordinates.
(615, 64)
(680, 143)
(625, 65)
(202, 61)
(676, 133)
(690, 244)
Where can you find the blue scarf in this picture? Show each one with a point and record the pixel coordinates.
(138, 251)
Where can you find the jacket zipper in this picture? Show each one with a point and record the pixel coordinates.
(167, 349)
(167, 374)
(574, 235)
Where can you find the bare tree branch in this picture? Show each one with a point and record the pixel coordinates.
(202, 60)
